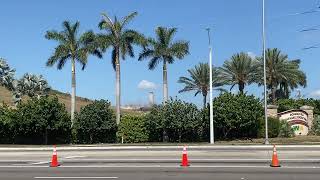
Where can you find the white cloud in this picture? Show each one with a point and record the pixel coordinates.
(147, 85)
(315, 93)
(252, 55)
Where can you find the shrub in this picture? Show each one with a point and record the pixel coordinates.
(95, 123)
(237, 116)
(273, 127)
(178, 120)
(7, 116)
(315, 129)
(287, 104)
(42, 121)
(285, 129)
(133, 129)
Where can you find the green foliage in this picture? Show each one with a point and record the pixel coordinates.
(236, 115)
(133, 129)
(285, 129)
(7, 116)
(287, 104)
(180, 120)
(42, 121)
(95, 123)
(315, 129)
(273, 127)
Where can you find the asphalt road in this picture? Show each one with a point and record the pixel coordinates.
(160, 173)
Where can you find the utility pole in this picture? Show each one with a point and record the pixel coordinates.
(211, 110)
(264, 72)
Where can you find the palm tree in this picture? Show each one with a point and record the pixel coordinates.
(30, 85)
(121, 40)
(281, 73)
(164, 49)
(6, 74)
(74, 47)
(199, 81)
(239, 70)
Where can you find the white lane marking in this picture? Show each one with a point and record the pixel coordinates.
(43, 162)
(66, 177)
(191, 159)
(71, 157)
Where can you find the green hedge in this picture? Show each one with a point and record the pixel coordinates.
(133, 129)
(95, 123)
(273, 127)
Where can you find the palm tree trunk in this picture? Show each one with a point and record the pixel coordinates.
(73, 91)
(118, 93)
(241, 87)
(165, 83)
(273, 91)
(204, 100)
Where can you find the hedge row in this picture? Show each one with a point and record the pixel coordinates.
(46, 121)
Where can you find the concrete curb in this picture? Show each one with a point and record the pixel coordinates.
(163, 148)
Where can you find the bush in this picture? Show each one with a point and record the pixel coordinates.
(177, 121)
(133, 129)
(285, 129)
(95, 123)
(42, 121)
(273, 127)
(315, 129)
(236, 116)
(7, 116)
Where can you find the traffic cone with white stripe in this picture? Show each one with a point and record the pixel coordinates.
(185, 162)
(54, 159)
(275, 160)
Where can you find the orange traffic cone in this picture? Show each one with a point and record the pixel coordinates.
(185, 162)
(275, 160)
(54, 160)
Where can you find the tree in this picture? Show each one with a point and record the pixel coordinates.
(30, 85)
(95, 123)
(6, 74)
(163, 48)
(199, 81)
(281, 72)
(121, 40)
(74, 47)
(239, 70)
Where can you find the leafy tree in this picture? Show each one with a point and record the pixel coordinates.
(133, 129)
(281, 73)
(30, 85)
(315, 129)
(7, 116)
(6, 74)
(239, 70)
(95, 123)
(199, 81)
(74, 47)
(273, 127)
(237, 115)
(180, 120)
(43, 120)
(285, 129)
(121, 39)
(163, 48)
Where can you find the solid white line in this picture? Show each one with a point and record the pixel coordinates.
(43, 162)
(71, 157)
(75, 177)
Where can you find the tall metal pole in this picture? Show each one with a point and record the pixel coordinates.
(264, 72)
(211, 110)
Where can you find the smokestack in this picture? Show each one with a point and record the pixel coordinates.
(151, 98)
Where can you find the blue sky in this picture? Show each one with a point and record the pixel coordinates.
(235, 24)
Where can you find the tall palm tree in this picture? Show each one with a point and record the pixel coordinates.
(163, 48)
(121, 39)
(74, 47)
(6, 74)
(281, 72)
(239, 70)
(199, 81)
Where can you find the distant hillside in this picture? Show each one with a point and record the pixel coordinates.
(6, 97)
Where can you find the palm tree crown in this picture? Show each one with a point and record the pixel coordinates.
(281, 73)
(239, 70)
(163, 48)
(199, 81)
(6, 74)
(121, 39)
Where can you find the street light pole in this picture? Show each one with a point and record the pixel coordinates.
(211, 110)
(264, 72)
